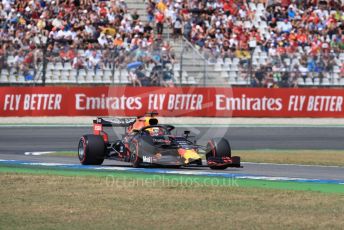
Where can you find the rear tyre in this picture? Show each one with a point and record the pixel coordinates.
(91, 150)
(218, 147)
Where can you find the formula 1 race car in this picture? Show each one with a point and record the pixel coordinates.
(146, 142)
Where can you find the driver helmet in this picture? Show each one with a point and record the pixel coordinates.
(156, 131)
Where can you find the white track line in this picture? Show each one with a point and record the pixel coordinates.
(37, 153)
(301, 165)
(182, 172)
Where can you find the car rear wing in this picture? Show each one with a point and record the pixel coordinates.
(114, 122)
(150, 114)
(101, 122)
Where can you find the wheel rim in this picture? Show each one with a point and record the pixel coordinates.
(133, 154)
(81, 151)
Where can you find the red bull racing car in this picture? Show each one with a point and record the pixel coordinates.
(146, 143)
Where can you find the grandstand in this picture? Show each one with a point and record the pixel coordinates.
(214, 42)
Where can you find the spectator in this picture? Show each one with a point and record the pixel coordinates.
(150, 11)
(18, 61)
(3, 54)
(78, 62)
(159, 20)
(161, 6)
(276, 70)
(103, 40)
(167, 76)
(269, 81)
(133, 78)
(303, 71)
(156, 75)
(177, 28)
(118, 42)
(311, 65)
(67, 54)
(29, 60)
(94, 61)
(123, 5)
(284, 83)
(135, 17)
(226, 51)
(259, 77)
(187, 29)
(141, 77)
(106, 58)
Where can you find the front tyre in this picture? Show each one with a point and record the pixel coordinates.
(218, 147)
(91, 150)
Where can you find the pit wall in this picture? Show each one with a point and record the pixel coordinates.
(170, 102)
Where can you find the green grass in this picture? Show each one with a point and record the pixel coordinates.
(30, 201)
(169, 179)
(308, 157)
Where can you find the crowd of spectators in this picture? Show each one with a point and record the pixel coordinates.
(94, 34)
(282, 74)
(86, 34)
(223, 27)
(312, 30)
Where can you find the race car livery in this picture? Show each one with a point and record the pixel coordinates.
(146, 142)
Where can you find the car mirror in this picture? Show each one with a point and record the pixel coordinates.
(186, 133)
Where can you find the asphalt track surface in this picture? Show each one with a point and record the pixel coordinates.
(14, 141)
(18, 140)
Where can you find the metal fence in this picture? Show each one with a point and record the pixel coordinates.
(159, 64)
(57, 63)
(257, 67)
(194, 66)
